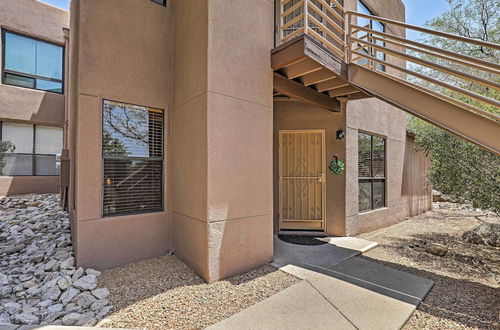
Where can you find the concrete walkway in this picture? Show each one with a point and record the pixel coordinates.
(339, 291)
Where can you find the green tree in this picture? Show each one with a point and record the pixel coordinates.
(5, 147)
(459, 168)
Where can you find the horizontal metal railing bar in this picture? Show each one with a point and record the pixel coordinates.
(449, 99)
(443, 57)
(329, 9)
(338, 5)
(432, 65)
(292, 9)
(328, 19)
(330, 45)
(434, 81)
(491, 65)
(327, 30)
(421, 29)
(293, 21)
(293, 34)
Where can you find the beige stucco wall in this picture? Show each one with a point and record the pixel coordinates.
(222, 135)
(378, 118)
(119, 55)
(42, 21)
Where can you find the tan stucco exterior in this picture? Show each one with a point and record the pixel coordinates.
(45, 22)
(206, 64)
(121, 56)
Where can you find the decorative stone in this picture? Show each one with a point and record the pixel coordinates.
(98, 305)
(4, 279)
(64, 283)
(12, 308)
(68, 263)
(485, 234)
(88, 282)
(55, 308)
(67, 296)
(102, 293)
(78, 273)
(52, 293)
(84, 300)
(436, 249)
(94, 272)
(37, 267)
(27, 319)
(71, 319)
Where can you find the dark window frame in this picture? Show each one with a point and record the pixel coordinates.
(28, 75)
(372, 179)
(164, 2)
(373, 53)
(133, 158)
(33, 153)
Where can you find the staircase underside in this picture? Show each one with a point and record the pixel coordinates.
(305, 70)
(469, 125)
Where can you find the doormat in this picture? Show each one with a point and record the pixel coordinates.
(303, 240)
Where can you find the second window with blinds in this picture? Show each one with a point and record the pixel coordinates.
(132, 145)
(371, 172)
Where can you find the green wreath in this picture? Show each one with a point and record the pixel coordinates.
(336, 166)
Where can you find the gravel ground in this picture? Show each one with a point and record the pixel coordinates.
(466, 294)
(165, 293)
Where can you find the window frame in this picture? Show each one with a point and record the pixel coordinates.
(133, 158)
(32, 76)
(33, 153)
(164, 4)
(373, 51)
(373, 179)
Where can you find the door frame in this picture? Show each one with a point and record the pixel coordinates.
(324, 183)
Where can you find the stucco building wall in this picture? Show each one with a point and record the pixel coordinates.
(39, 20)
(222, 135)
(118, 55)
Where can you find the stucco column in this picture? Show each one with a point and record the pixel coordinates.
(222, 135)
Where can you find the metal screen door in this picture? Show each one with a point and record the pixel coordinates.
(302, 169)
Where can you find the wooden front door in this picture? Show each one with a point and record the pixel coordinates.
(302, 171)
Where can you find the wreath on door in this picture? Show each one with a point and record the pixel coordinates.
(336, 166)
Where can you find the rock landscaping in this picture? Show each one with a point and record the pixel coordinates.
(466, 277)
(39, 283)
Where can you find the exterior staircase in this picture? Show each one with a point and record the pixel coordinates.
(327, 56)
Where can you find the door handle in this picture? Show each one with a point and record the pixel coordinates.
(321, 177)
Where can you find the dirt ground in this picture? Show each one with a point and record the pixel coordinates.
(466, 294)
(164, 293)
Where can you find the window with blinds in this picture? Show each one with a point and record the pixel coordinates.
(33, 149)
(132, 145)
(371, 172)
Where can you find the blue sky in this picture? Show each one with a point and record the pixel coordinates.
(64, 4)
(417, 11)
(420, 11)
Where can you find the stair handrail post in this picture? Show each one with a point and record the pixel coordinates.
(348, 37)
(305, 12)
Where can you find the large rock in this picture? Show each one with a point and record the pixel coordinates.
(71, 319)
(24, 318)
(485, 234)
(102, 293)
(52, 292)
(67, 296)
(436, 249)
(88, 282)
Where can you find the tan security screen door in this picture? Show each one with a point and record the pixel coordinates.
(302, 179)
